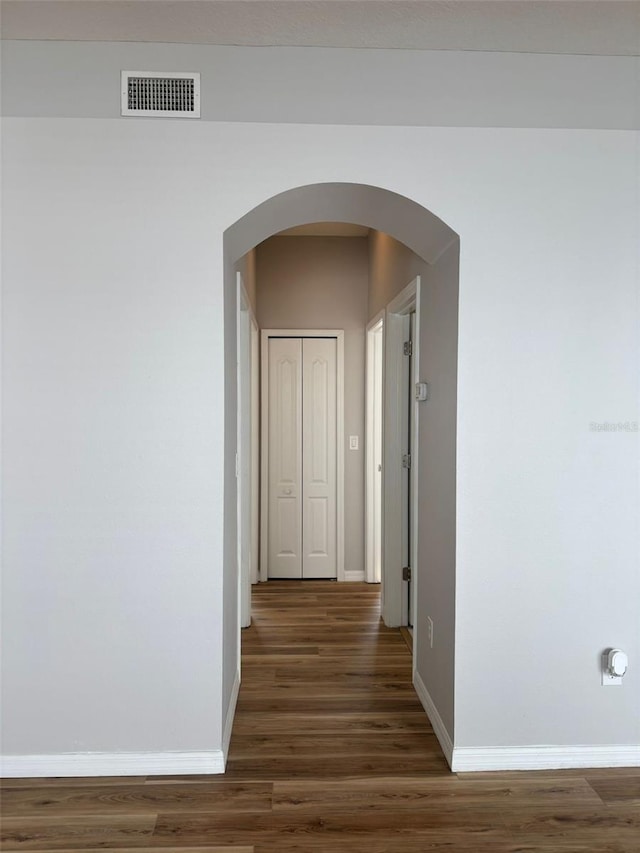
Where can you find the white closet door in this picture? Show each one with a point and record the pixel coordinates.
(285, 458)
(319, 455)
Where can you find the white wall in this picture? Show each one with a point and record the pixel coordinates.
(548, 509)
(112, 477)
(322, 283)
(115, 406)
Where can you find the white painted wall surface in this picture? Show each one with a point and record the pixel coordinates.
(112, 476)
(113, 424)
(322, 283)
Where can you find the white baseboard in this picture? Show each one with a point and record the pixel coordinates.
(470, 759)
(231, 713)
(439, 728)
(112, 764)
(354, 576)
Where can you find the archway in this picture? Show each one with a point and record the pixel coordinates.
(431, 240)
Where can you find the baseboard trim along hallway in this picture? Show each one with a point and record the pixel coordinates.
(477, 759)
(68, 764)
(439, 728)
(230, 716)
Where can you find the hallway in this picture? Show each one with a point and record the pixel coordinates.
(326, 689)
(331, 751)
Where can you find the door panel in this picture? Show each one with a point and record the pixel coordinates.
(319, 452)
(285, 457)
(407, 403)
(410, 414)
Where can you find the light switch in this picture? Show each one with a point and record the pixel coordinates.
(353, 442)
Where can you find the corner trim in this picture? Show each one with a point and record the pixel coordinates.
(439, 728)
(112, 764)
(231, 713)
(474, 759)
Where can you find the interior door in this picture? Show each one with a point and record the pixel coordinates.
(411, 472)
(302, 458)
(406, 466)
(285, 458)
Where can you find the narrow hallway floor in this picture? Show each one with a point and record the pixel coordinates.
(326, 689)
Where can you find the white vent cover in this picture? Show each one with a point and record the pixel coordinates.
(151, 93)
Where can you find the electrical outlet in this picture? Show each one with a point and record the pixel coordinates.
(353, 442)
(430, 630)
(609, 679)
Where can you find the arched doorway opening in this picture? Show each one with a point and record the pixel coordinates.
(396, 220)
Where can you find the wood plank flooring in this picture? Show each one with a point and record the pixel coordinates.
(331, 751)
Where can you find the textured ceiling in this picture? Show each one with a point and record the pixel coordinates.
(607, 27)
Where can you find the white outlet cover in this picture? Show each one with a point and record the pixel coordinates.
(353, 442)
(609, 680)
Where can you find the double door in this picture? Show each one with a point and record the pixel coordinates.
(301, 449)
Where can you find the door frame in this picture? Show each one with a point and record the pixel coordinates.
(375, 328)
(394, 608)
(338, 334)
(255, 450)
(247, 369)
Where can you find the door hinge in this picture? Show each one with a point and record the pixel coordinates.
(408, 348)
(406, 460)
(406, 573)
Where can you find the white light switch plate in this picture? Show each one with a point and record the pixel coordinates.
(353, 442)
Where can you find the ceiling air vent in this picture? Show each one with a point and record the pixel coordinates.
(150, 93)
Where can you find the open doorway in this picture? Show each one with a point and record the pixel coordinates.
(424, 240)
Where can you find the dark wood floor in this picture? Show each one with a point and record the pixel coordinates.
(331, 751)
